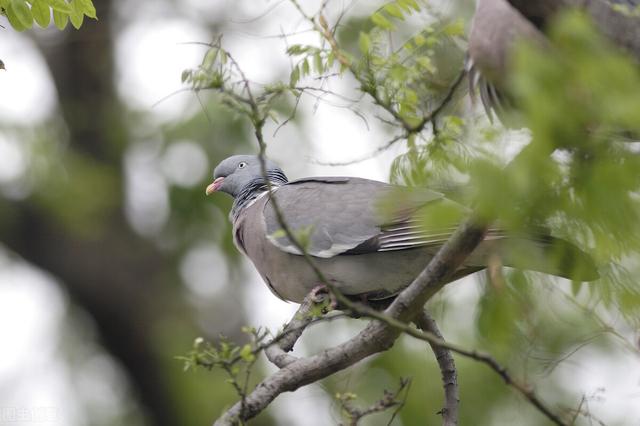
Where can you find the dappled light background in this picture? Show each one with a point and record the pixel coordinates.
(112, 260)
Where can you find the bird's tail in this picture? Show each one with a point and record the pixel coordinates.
(547, 254)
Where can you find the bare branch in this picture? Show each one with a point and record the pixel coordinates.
(291, 116)
(447, 367)
(372, 154)
(261, 15)
(389, 400)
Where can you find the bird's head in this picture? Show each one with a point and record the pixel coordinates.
(236, 172)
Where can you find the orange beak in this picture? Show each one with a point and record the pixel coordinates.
(213, 187)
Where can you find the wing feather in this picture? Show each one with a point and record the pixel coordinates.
(349, 216)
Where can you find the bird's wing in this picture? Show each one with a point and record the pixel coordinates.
(334, 216)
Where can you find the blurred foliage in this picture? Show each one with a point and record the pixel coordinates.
(23, 13)
(95, 205)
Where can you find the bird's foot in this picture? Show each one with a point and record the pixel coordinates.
(322, 295)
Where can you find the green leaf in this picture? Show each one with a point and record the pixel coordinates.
(210, 58)
(379, 20)
(223, 57)
(13, 19)
(186, 74)
(317, 63)
(76, 20)
(456, 28)
(393, 10)
(411, 97)
(60, 6)
(364, 42)
(403, 5)
(60, 19)
(294, 49)
(77, 15)
(280, 233)
(303, 236)
(306, 67)
(409, 4)
(426, 63)
(295, 76)
(86, 6)
(246, 353)
(398, 73)
(331, 59)
(41, 13)
(21, 13)
(497, 316)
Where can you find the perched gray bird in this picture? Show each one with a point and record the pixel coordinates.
(370, 239)
(498, 24)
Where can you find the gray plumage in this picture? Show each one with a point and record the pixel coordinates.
(370, 239)
(498, 24)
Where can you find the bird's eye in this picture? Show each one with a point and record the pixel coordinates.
(242, 165)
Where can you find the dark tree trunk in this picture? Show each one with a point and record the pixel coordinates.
(114, 276)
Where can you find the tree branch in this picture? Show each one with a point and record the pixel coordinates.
(277, 350)
(389, 400)
(525, 390)
(425, 322)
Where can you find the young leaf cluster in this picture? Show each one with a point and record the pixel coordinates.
(408, 78)
(224, 354)
(220, 72)
(312, 59)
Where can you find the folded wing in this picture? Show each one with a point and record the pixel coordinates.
(349, 216)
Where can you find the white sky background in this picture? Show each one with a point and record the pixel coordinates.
(147, 75)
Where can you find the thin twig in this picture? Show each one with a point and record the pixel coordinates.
(291, 116)
(389, 400)
(261, 15)
(447, 367)
(326, 92)
(369, 156)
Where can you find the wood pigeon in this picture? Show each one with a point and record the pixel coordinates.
(370, 239)
(497, 24)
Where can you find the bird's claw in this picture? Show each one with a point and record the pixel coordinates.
(321, 294)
